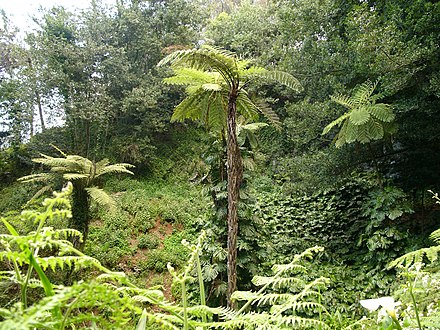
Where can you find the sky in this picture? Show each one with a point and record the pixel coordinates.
(19, 11)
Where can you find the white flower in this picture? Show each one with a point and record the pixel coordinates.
(373, 304)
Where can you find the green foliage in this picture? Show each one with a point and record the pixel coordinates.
(85, 175)
(106, 301)
(148, 241)
(210, 74)
(332, 218)
(420, 255)
(419, 296)
(152, 200)
(109, 240)
(384, 237)
(365, 120)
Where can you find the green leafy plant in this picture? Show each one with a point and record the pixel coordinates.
(110, 300)
(85, 175)
(365, 119)
(148, 241)
(383, 236)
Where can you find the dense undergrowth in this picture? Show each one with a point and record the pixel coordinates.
(305, 292)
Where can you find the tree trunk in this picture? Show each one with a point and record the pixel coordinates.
(40, 111)
(235, 172)
(80, 214)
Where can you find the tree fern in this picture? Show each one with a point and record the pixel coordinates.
(365, 121)
(84, 175)
(221, 99)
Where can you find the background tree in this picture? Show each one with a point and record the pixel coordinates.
(218, 92)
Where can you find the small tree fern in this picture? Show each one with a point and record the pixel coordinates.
(84, 175)
(366, 120)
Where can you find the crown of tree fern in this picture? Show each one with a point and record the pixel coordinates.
(365, 119)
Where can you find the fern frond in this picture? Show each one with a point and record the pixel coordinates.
(74, 176)
(374, 130)
(205, 58)
(336, 122)
(381, 112)
(114, 168)
(359, 116)
(246, 107)
(343, 100)
(292, 267)
(189, 108)
(410, 258)
(39, 177)
(101, 197)
(212, 87)
(213, 111)
(296, 321)
(363, 93)
(435, 236)
(192, 77)
(281, 77)
(269, 114)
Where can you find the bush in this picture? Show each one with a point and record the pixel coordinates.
(157, 261)
(294, 222)
(109, 246)
(148, 242)
(143, 221)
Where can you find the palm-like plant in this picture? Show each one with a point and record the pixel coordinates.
(365, 119)
(84, 175)
(216, 80)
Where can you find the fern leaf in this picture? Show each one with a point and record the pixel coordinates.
(115, 168)
(189, 107)
(363, 92)
(281, 77)
(39, 177)
(416, 256)
(295, 321)
(192, 77)
(374, 130)
(336, 122)
(343, 100)
(101, 197)
(246, 107)
(435, 236)
(359, 116)
(75, 176)
(205, 58)
(244, 295)
(269, 114)
(212, 87)
(382, 112)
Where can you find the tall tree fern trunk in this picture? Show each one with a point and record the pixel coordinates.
(80, 213)
(235, 173)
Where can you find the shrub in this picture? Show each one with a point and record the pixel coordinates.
(108, 245)
(147, 241)
(157, 260)
(143, 221)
